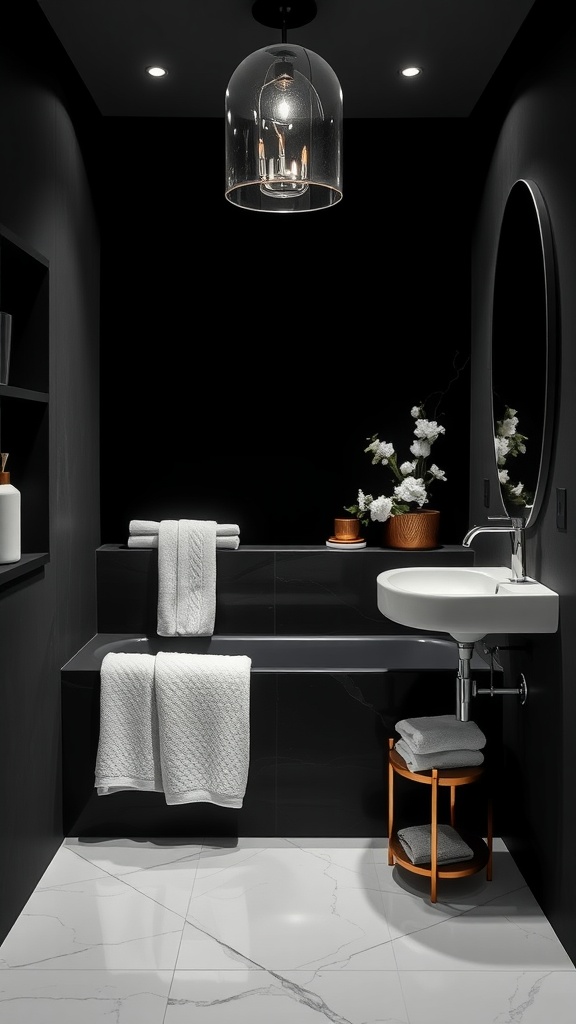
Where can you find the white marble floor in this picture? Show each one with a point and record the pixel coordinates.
(289, 931)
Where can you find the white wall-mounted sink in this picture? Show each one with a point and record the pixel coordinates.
(466, 602)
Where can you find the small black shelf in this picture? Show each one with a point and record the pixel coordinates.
(24, 394)
(24, 400)
(28, 563)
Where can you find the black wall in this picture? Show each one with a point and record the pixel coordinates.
(246, 357)
(523, 128)
(47, 200)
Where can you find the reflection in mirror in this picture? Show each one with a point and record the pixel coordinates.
(523, 351)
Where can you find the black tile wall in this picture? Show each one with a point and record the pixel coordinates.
(266, 592)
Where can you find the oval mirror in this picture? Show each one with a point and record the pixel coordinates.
(523, 351)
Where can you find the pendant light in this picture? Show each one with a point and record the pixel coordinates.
(284, 122)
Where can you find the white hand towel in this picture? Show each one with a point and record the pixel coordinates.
(128, 748)
(151, 541)
(440, 759)
(204, 719)
(450, 846)
(147, 527)
(429, 735)
(186, 577)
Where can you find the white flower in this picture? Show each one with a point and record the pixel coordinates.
(411, 478)
(411, 489)
(421, 449)
(507, 428)
(502, 446)
(509, 444)
(380, 509)
(428, 429)
(381, 451)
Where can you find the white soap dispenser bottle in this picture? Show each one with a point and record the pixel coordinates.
(9, 516)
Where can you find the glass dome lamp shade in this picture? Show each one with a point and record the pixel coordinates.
(284, 132)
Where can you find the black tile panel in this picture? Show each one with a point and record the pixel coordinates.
(266, 591)
(333, 593)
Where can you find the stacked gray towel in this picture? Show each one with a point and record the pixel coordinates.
(439, 741)
(450, 846)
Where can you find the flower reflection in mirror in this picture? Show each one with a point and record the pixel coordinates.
(510, 444)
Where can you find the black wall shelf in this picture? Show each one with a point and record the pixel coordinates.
(24, 400)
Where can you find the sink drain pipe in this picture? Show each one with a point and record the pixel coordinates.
(466, 688)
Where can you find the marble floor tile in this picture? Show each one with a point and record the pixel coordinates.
(508, 933)
(283, 930)
(120, 856)
(489, 997)
(293, 997)
(99, 924)
(83, 997)
(289, 908)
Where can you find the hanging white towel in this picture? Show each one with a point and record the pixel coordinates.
(428, 735)
(204, 724)
(128, 748)
(186, 577)
(438, 759)
(151, 541)
(146, 527)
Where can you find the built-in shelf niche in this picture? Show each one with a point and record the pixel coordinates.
(24, 400)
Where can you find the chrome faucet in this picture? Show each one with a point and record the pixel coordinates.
(516, 531)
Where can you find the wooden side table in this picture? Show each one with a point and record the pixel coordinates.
(437, 778)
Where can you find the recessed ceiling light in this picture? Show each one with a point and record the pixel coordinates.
(410, 72)
(156, 72)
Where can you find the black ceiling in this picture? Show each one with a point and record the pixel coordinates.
(458, 43)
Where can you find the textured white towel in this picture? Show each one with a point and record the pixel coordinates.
(151, 541)
(204, 720)
(186, 577)
(128, 748)
(145, 527)
(439, 759)
(440, 732)
(449, 845)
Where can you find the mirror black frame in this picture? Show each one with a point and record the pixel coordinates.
(526, 365)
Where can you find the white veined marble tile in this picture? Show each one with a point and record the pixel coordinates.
(293, 997)
(119, 856)
(83, 997)
(99, 924)
(490, 997)
(66, 867)
(286, 909)
(508, 933)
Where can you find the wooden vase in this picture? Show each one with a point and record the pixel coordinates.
(413, 530)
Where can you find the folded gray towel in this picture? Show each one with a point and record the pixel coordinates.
(439, 759)
(417, 844)
(440, 732)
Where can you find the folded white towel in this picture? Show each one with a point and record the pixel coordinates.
(429, 735)
(449, 844)
(204, 721)
(151, 541)
(128, 748)
(145, 527)
(186, 577)
(440, 759)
